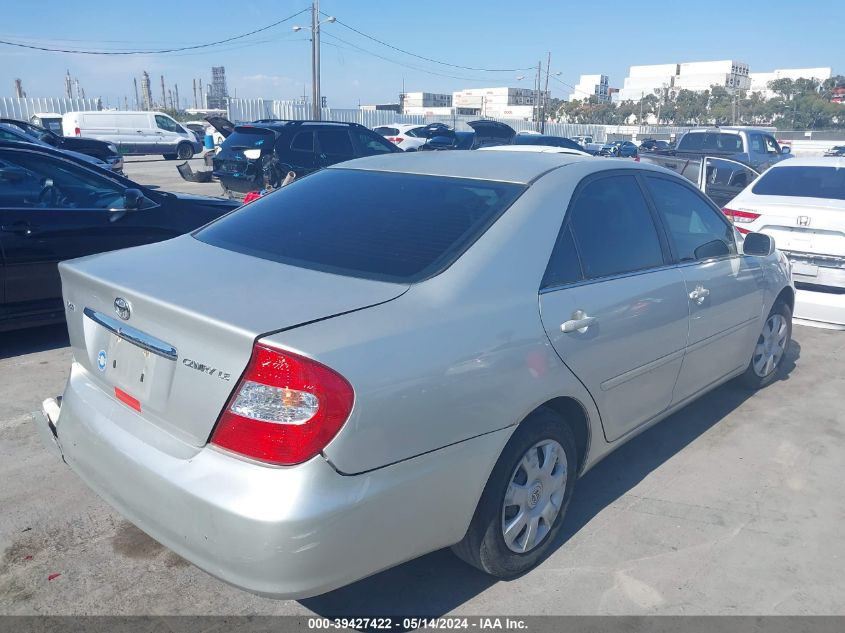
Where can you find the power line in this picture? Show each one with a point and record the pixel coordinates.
(151, 52)
(393, 61)
(428, 59)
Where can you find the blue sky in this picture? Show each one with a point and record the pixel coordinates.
(603, 36)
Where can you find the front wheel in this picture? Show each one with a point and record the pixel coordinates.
(523, 504)
(184, 151)
(767, 360)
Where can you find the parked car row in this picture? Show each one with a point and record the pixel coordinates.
(100, 151)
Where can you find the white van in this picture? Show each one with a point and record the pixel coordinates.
(134, 132)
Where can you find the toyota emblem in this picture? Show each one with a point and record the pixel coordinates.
(122, 308)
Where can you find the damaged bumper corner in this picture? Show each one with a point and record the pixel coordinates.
(46, 423)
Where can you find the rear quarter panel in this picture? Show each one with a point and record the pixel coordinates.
(457, 356)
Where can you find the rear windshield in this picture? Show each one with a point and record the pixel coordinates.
(802, 181)
(250, 138)
(377, 225)
(711, 142)
(386, 131)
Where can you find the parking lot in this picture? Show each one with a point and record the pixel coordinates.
(731, 506)
(158, 173)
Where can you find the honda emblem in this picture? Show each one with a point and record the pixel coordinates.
(803, 220)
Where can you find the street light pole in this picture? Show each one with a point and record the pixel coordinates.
(316, 110)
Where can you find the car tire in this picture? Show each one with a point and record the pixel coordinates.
(184, 151)
(767, 359)
(485, 546)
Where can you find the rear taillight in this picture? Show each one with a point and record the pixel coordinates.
(395, 139)
(285, 409)
(740, 217)
(77, 131)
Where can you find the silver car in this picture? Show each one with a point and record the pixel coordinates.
(403, 353)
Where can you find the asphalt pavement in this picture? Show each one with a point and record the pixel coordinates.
(734, 505)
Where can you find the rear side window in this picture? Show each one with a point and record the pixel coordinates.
(802, 181)
(696, 229)
(564, 267)
(613, 228)
(391, 227)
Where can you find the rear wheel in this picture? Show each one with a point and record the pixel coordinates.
(769, 351)
(522, 506)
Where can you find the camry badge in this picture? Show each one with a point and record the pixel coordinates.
(122, 308)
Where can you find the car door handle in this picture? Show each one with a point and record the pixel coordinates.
(578, 323)
(699, 294)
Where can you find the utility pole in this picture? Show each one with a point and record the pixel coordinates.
(537, 96)
(194, 87)
(545, 93)
(176, 94)
(315, 58)
(163, 94)
(137, 100)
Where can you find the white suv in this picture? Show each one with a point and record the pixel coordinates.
(407, 136)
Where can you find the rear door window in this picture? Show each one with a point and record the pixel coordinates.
(335, 145)
(613, 228)
(391, 226)
(303, 142)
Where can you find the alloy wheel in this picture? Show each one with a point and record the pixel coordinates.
(534, 496)
(771, 346)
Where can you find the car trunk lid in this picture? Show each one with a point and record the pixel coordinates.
(802, 225)
(193, 312)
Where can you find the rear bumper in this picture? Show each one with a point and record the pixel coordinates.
(283, 532)
(820, 309)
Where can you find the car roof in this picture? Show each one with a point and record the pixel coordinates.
(812, 161)
(516, 167)
(539, 149)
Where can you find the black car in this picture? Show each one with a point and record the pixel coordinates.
(259, 155)
(550, 141)
(105, 151)
(54, 207)
(654, 145)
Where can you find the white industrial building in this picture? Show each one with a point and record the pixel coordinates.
(430, 103)
(506, 103)
(760, 81)
(591, 86)
(696, 76)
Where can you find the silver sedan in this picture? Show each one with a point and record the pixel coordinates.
(404, 353)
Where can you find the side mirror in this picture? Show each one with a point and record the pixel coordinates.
(785, 150)
(758, 244)
(132, 199)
